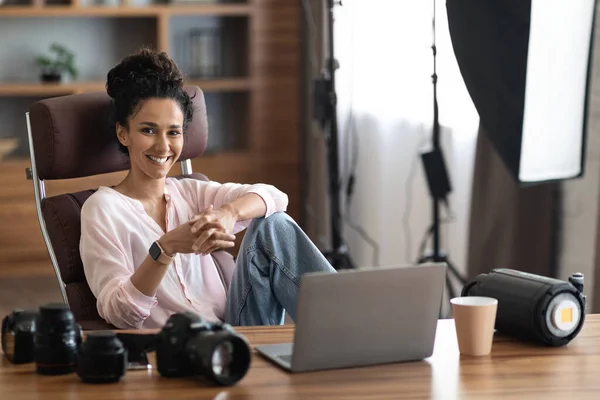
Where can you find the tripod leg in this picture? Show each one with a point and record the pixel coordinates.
(339, 260)
(454, 271)
(451, 292)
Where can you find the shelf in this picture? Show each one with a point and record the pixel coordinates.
(34, 89)
(222, 10)
(222, 85)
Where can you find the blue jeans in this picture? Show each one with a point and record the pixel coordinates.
(274, 254)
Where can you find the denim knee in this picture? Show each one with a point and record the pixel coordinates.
(276, 220)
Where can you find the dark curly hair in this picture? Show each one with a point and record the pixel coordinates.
(143, 75)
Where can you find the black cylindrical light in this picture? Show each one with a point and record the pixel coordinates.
(532, 307)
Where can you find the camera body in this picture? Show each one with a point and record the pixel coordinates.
(18, 335)
(187, 345)
(171, 357)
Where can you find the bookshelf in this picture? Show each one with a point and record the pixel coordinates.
(34, 89)
(123, 11)
(165, 27)
(256, 101)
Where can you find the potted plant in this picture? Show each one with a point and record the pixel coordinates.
(53, 68)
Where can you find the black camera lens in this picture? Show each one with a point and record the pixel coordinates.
(56, 340)
(102, 358)
(220, 357)
(18, 333)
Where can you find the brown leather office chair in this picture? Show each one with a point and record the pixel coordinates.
(71, 137)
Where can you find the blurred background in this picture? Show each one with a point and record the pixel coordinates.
(256, 61)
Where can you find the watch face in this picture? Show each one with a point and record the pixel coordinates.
(155, 251)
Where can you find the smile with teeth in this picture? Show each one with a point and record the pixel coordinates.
(158, 160)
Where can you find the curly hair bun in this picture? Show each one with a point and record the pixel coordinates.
(144, 73)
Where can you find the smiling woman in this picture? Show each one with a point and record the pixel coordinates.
(146, 242)
(154, 137)
(154, 134)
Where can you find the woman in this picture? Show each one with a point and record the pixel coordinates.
(146, 243)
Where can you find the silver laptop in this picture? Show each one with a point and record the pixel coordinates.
(363, 317)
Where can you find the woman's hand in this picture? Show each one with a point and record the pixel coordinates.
(213, 229)
(178, 240)
(182, 238)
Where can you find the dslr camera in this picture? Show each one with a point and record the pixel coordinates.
(18, 335)
(187, 345)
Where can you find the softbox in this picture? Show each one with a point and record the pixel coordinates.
(526, 65)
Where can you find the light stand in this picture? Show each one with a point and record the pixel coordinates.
(439, 183)
(325, 109)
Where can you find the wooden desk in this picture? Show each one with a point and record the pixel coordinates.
(513, 370)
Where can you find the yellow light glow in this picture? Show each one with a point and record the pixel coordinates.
(566, 315)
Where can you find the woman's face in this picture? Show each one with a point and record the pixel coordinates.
(154, 137)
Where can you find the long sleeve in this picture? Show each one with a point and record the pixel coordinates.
(218, 194)
(108, 269)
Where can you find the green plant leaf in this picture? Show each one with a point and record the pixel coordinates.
(63, 60)
(72, 70)
(57, 48)
(43, 61)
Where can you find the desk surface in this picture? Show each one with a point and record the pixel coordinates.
(513, 370)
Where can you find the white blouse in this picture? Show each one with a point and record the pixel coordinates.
(116, 234)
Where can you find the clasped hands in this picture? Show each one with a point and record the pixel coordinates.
(204, 233)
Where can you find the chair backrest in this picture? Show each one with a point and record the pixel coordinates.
(71, 137)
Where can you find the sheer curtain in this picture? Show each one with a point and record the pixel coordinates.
(385, 111)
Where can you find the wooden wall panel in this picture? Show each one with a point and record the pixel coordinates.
(276, 61)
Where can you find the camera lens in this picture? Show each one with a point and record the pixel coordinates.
(102, 358)
(220, 357)
(56, 340)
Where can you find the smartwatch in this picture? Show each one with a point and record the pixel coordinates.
(158, 254)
